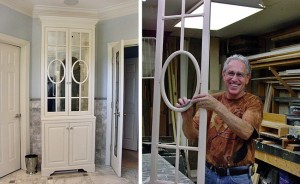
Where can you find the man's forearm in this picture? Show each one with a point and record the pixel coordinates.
(241, 128)
(189, 130)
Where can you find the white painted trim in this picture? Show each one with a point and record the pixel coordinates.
(24, 95)
(109, 101)
(105, 13)
(19, 6)
(67, 22)
(127, 43)
(64, 12)
(118, 10)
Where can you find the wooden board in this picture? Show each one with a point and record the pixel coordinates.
(285, 141)
(278, 118)
(277, 58)
(279, 52)
(278, 162)
(293, 147)
(275, 63)
(273, 129)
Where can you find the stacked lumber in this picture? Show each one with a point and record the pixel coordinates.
(281, 57)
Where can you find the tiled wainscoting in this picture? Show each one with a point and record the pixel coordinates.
(101, 122)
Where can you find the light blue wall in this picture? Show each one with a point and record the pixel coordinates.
(25, 27)
(122, 28)
(15, 24)
(36, 59)
(20, 26)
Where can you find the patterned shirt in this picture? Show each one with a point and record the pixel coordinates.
(223, 147)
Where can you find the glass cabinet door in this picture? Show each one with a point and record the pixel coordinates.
(67, 71)
(80, 49)
(56, 71)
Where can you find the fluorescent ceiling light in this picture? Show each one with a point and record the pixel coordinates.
(222, 15)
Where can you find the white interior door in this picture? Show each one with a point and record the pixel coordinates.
(130, 135)
(118, 95)
(9, 109)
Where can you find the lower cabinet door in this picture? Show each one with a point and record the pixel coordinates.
(56, 144)
(81, 142)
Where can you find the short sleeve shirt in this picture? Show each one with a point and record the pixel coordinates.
(223, 147)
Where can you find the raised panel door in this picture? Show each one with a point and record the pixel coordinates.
(9, 109)
(81, 143)
(56, 144)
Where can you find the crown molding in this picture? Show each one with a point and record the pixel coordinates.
(68, 21)
(19, 6)
(119, 10)
(105, 13)
(64, 12)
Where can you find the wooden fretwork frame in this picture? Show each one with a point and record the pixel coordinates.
(157, 94)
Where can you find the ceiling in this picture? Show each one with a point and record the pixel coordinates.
(100, 9)
(278, 14)
(83, 4)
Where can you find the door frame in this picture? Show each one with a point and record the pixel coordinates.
(127, 43)
(24, 87)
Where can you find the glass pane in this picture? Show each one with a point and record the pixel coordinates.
(61, 104)
(80, 72)
(85, 54)
(117, 105)
(51, 89)
(51, 38)
(116, 135)
(56, 71)
(61, 38)
(75, 53)
(51, 105)
(84, 104)
(117, 76)
(51, 54)
(75, 89)
(75, 104)
(61, 89)
(75, 38)
(85, 89)
(84, 39)
(76, 71)
(61, 53)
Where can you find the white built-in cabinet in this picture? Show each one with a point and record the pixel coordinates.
(67, 94)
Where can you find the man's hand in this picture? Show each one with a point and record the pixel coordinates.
(187, 117)
(206, 101)
(182, 102)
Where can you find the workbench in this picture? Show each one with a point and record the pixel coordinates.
(274, 155)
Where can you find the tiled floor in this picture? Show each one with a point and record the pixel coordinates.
(103, 175)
